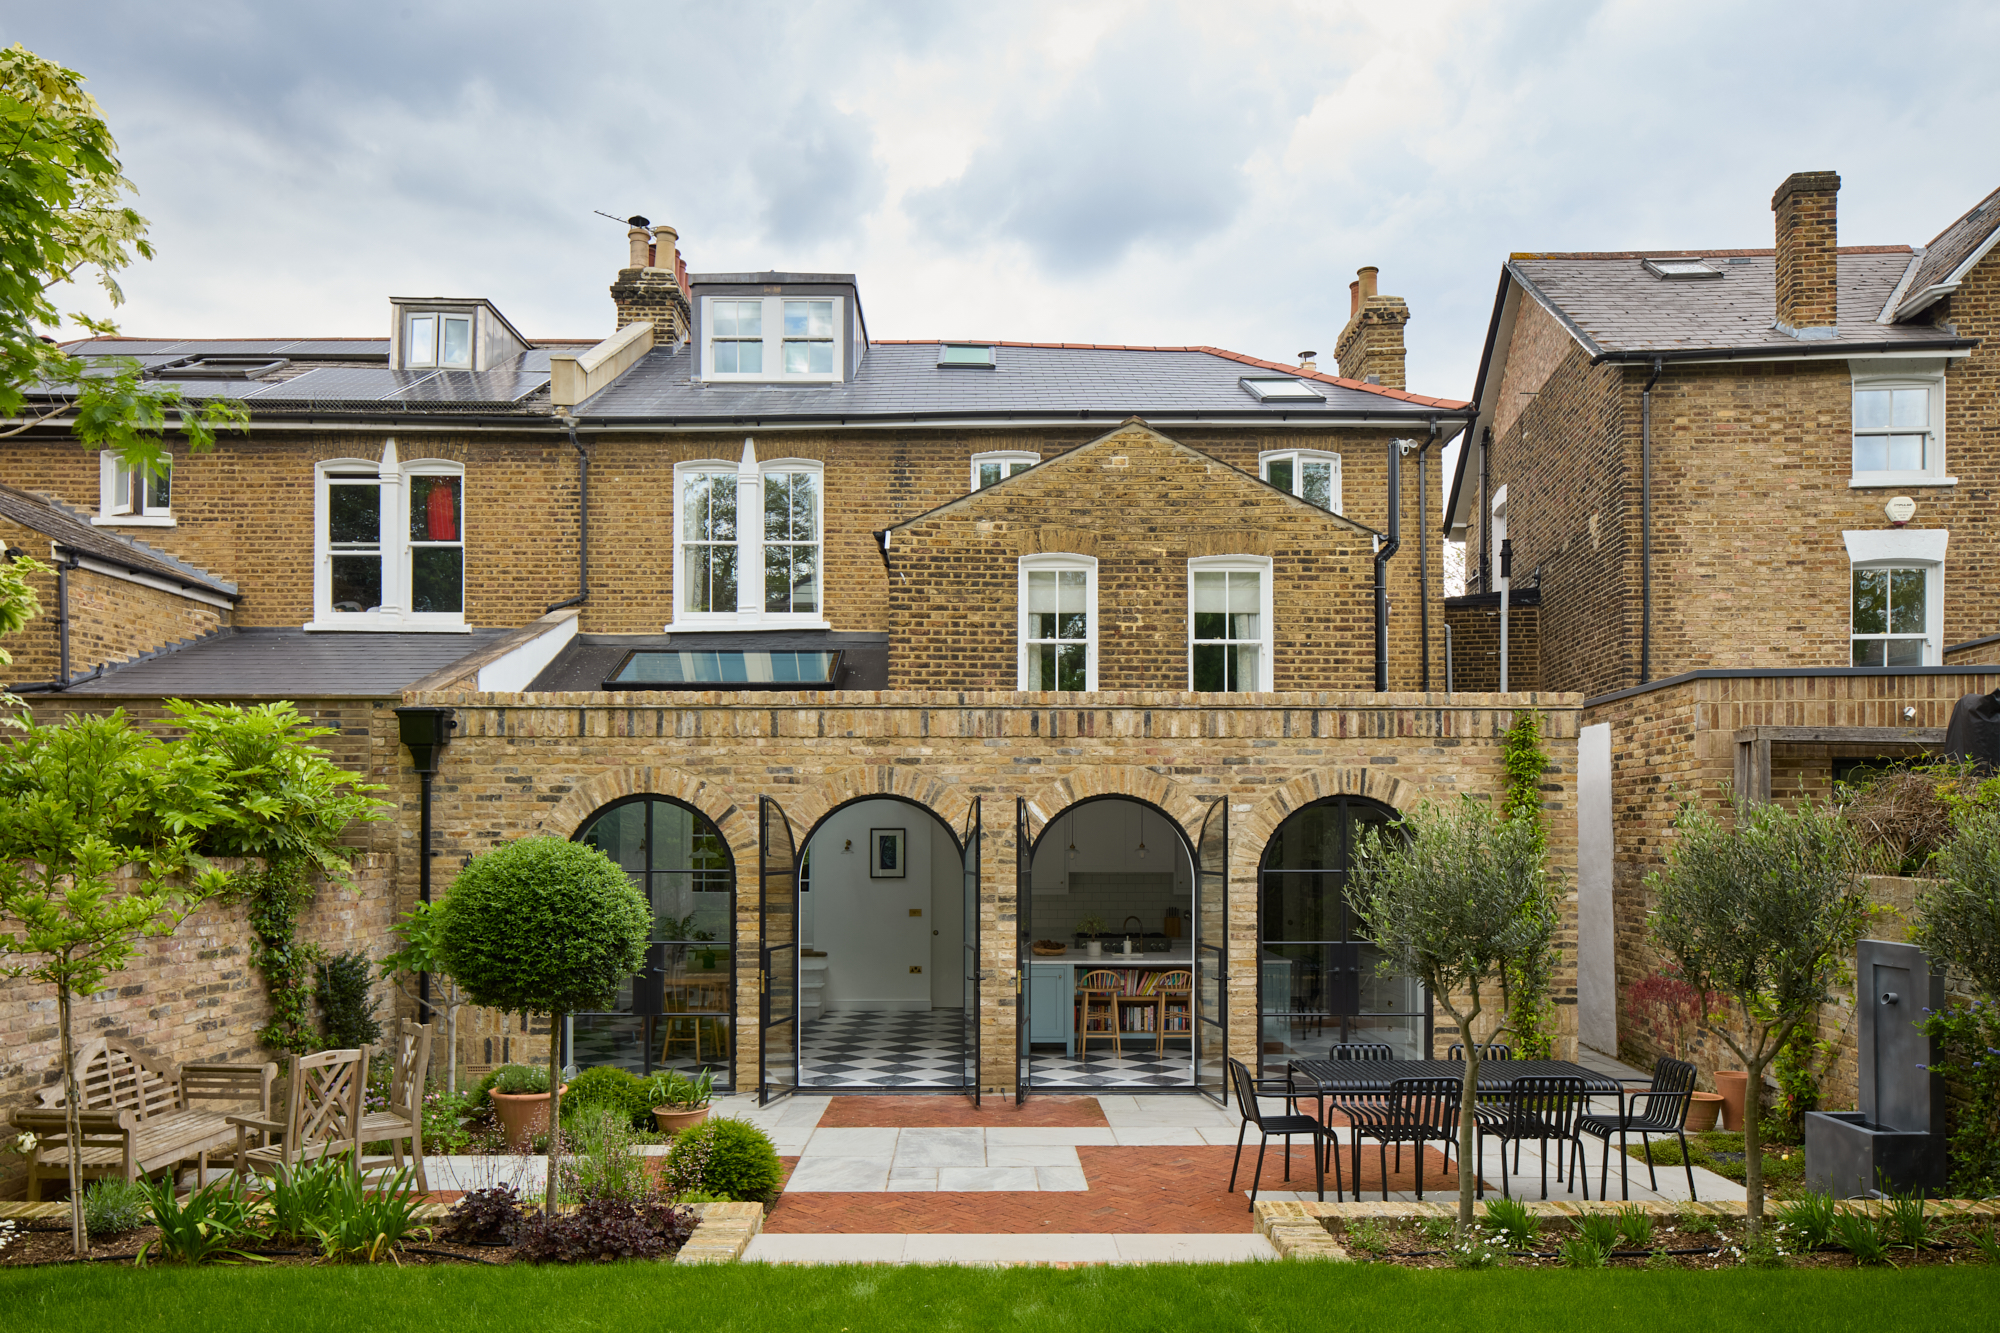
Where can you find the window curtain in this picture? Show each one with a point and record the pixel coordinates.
(441, 514)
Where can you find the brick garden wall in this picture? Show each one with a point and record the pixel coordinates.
(542, 764)
(189, 996)
(1475, 642)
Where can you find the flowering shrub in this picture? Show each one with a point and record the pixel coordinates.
(1669, 1008)
(1968, 1040)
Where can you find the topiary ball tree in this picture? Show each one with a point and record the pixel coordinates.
(544, 925)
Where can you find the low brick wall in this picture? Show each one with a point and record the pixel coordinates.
(189, 996)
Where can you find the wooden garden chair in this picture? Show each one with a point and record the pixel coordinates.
(403, 1119)
(324, 1095)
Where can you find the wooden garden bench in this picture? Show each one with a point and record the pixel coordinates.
(139, 1116)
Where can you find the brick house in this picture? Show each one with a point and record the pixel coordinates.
(1749, 500)
(1030, 642)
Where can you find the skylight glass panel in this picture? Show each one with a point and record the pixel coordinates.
(726, 669)
(1682, 268)
(1282, 390)
(965, 354)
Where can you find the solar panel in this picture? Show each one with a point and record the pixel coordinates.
(122, 347)
(328, 384)
(473, 386)
(212, 388)
(337, 347)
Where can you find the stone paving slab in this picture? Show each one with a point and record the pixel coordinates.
(1053, 1249)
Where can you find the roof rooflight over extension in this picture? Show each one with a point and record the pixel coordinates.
(1681, 269)
(1280, 389)
(972, 356)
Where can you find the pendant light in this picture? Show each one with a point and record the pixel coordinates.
(1142, 833)
(1072, 836)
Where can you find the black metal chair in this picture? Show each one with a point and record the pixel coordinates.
(1416, 1111)
(1666, 1108)
(1324, 1144)
(1540, 1108)
(1492, 1051)
(1361, 1050)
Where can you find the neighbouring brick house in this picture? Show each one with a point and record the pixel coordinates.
(872, 661)
(1749, 496)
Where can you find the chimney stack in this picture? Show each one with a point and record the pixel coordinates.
(1808, 254)
(650, 287)
(1371, 346)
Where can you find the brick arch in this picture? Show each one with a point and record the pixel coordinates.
(1144, 784)
(1257, 826)
(735, 819)
(806, 806)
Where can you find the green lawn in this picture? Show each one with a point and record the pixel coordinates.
(631, 1298)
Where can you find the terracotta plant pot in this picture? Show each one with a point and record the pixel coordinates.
(1732, 1083)
(522, 1116)
(1702, 1111)
(673, 1122)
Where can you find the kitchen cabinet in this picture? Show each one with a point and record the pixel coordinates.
(1049, 1004)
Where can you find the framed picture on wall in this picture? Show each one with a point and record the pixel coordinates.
(886, 848)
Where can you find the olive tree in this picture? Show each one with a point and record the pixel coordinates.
(544, 925)
(1453, 895)
(1762, 910)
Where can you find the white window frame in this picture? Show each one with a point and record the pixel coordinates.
(1030, 564)
(774, 341)
(1893, 375)
(1012, 462)
(432, 356)
(394, 615)
(1902, 548)
(749, 613)
(1295, 457)
(112, 513)
(1236, 564)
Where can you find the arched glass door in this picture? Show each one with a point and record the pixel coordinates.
(1320, 980)
(678, 1012)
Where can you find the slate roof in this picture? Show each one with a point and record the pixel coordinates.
(290, 663)
(73, 530)
(902, 380)
(1953, 246)
(1617, 308)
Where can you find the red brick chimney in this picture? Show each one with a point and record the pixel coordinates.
(1808, 258)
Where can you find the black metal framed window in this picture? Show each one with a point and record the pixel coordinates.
(1319, 979)
(679, 1012)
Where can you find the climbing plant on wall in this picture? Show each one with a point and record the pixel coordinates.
(1531, 1010)
(287, 804)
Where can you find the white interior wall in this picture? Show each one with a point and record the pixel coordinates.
(865, 925)
(947, 923)
(1107, 835)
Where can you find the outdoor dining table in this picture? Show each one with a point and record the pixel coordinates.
(1365, 1077)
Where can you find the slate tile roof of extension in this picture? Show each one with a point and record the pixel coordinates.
(902, 380)
(72, 530)
(1956, 248)
(1614, 304)
(288, 663)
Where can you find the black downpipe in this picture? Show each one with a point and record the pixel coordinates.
(582, 528)
(1382, 557)
(1485, 511)
(62, 681)
(424, 886)
(1646, 525)
(1424, 550)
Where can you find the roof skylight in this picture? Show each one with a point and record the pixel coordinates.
(1682, 268)
(725, 669)
(965, 354)
(1277, 390)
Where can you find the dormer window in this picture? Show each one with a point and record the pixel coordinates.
(808, 332)
(440, 340)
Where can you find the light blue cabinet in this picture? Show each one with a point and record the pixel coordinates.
(1049, 1005)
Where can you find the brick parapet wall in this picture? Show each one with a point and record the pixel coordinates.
(1676, 742)
(542, 764)
(1475, 645)
(192, 995)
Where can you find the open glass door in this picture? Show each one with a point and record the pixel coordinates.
(969, 1006)
(1211, 953)
(1024, 864)
(778, 969)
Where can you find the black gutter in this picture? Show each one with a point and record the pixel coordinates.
(1383, 554)
(1646, 525)
(1021, 416)
(582, 526)
(1818, 347)
(1478, 392)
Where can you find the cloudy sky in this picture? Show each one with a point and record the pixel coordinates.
(1090, 172)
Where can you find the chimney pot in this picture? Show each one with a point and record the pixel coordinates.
(666, 244)
(642, 246)
(1306, 361)
(1808, 254)
(1353, 298)
(1367, 276)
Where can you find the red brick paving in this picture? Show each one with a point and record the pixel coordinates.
(1160, 1191)
(954, 1111)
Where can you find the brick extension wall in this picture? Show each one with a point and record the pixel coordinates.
(1475, 641)
(189, 996)
(527, 764)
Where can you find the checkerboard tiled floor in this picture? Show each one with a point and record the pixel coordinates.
(873, 1048)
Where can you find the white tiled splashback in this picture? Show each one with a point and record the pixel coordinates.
(1112, 896)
